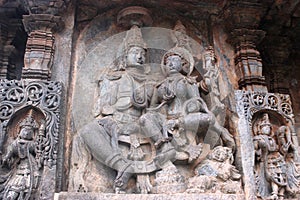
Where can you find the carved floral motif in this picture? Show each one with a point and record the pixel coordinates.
(256, 101)
(36, 144)
(44, 95)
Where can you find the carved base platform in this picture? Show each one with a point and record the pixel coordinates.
(181, 196)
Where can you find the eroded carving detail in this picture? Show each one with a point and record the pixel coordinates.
(256, 101)
(23, 159)
(216, 173)
(145, 125)
(276, 173)
(29, 125)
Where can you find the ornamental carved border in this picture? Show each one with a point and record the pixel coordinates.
(42, 95)
(252, 102)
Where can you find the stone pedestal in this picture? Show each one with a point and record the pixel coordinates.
(101, 196)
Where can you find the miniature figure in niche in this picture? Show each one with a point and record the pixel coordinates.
(23, 160)
(275, 171)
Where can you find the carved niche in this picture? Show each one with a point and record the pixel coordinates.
(149, 126)
(270, 122)
(29, 135)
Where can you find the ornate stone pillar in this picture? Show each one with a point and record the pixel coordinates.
(40, 45)
(247, 59)
(264, 118)
(242, 20)
(32, 103)
(41, 24)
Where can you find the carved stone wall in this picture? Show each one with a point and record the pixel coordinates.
(250, 107)
(76, 47)
(41, 102)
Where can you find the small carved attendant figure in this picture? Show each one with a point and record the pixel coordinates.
(219, 164)
(21, 157)
(211, 80)
(217, 168)
(271, 167)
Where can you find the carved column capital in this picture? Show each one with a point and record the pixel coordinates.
(53, 7)
(247, 58)
(40, 45)
(42, 22)
(242, 19)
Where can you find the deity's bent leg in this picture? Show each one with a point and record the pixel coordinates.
(197, 122)
(98, 142)
(152, 126)
(227, 138)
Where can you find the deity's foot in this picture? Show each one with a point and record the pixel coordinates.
(182, 156)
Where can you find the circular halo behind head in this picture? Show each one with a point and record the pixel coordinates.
(187, 59)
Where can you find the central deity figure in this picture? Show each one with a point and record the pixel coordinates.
(143, 125)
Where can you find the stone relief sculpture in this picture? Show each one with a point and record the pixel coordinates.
(23, 156)
(267, 120)
(28, 139)
(211, 80)
(216, 173)
(275, 169)
(123, 96)
(145, 128)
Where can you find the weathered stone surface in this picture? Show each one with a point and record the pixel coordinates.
(90, 196)
(89, 41)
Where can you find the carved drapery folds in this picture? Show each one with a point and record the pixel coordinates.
(266, 128)
(41, 24)
(29, 125)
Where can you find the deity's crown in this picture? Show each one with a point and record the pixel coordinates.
(182, 48)
(265, 120)
(29, 122)
(134, 38)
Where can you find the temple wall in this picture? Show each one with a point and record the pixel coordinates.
(76, 54)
